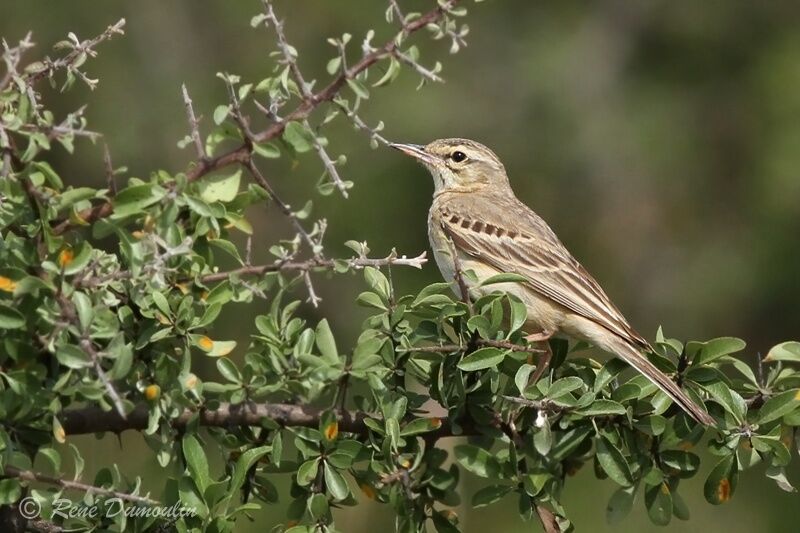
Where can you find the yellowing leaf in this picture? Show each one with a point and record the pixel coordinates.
(222, 348)
(724, 490)
(7, 284)
(205, 343)
(332, 430)
(368, 491)
(152, 392)
(65, 257)
(220, 188)
(58, 431)
(191, 381)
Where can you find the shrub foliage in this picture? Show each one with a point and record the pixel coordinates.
(109, 299)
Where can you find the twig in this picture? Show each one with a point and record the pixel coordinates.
(92, 419)
(12, 58)
(69, 313)
(285, 209)
(286, 49)
(29, 475)
(448, 348)
(361, 125)
(289, 59)
(241, 154)
(193, 125)
(541, 405)
(422, 71)
(312, 295)
(459, 276)
(315, 263)
(110, 179)
(80, 48)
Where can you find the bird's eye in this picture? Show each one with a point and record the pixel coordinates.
(458, 156)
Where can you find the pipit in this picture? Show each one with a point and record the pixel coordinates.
(477, 223)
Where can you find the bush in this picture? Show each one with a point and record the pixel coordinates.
(109, 300)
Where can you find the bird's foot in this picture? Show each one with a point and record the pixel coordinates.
(539, 337)
(542, 364)
(547, 354)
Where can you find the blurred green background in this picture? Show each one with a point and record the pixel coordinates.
(661, 141)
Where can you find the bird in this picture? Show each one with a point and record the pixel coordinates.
(477, 223)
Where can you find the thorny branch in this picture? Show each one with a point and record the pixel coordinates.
(193, 125)
(29, 475)
(290, 60)
(309, 265)
(79, 49)
(449, 348)
(317, 263)
(69, 313)
(241, 154)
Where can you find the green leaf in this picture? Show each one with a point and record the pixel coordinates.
(220, 188)
(228, 370)
(779, 405)
(228, 247)
(267, 150)
(613, 462)
(299, 137)
(721, 482)
(714, 349)
(243, 464)
(370, 299)
(358, 88)
(728, 398)
(521, 377)
(785, 351)
(507, 277)
(519, 313)
(10, 491)
(221, 113)
(543, 439)
(658, 500)
(481, 359)
(318, 506)
(10, 318)
(326, 342)
(73, 196)
(489, 495)
(335, 483)
(680, 460)
(389, 76)
(83, 305)
(477, 460)
(332, 67)
(392, 427)
(308, 472)
(135, 199)
(652, 424)
(81, 258)
(563, 386)
(620, 504)
(602, 407)
(196, 462)
(72, 356)
(420, 425)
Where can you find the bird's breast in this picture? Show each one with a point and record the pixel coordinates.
(543, 314)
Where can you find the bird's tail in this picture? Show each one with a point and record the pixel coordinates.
(639, 361)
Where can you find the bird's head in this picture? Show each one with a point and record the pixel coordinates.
(458, 165)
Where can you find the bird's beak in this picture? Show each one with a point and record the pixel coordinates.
(417, 151)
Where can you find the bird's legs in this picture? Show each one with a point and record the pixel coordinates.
(547, 354)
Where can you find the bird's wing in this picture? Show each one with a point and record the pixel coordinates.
(530, 248)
